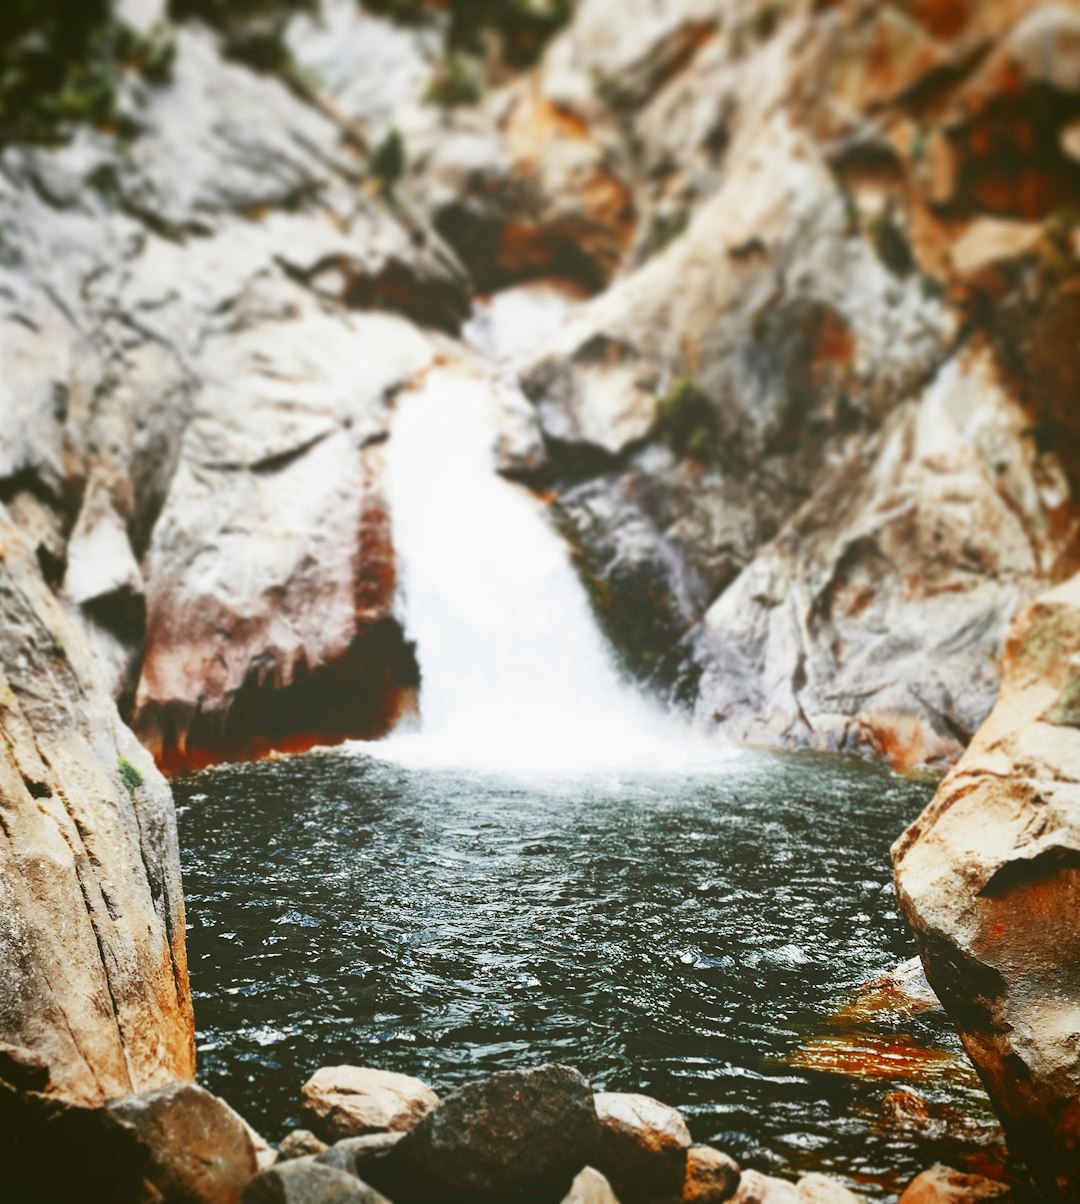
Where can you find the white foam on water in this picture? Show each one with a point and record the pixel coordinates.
(515, 674)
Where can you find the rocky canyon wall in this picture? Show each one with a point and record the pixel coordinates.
(93, 970)
(809, 424)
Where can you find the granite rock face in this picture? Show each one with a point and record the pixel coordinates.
(820, 370)
(205, 336)
(93, 971)
(987, 878)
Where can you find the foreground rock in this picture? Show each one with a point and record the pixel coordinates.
(590, 1187)
(300, 1143)
(821, 1189)
(711, 1177)
(989, 879)
(351, 1101)
(93, 970)
(356, 1154)
(518, 1135)
(177, 1143)
(944, 1185)
(305, 1181)
(643, 1147)
(197, 1148)
(756, 1188)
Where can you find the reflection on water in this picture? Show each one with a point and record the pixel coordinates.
(686, 935)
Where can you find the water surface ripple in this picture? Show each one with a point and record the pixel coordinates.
(681, 935)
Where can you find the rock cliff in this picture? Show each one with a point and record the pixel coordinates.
(811, 438)
(93, 970)
(988, 878)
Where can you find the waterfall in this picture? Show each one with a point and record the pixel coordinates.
(515, 673)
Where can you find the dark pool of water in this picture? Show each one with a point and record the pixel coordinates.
(685, 936)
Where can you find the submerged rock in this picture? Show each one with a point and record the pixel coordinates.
(517, 1135)
(643, 1146)
(351, 1101)
(900, 994)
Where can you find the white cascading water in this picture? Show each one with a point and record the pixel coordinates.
(515, 674)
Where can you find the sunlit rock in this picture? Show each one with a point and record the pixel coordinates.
(987, 879)
(351, 1101)
(944, 1185)
(711, 1177)
(300, 1143)
(197, 1147)
(756, 1188)
(590, 1187)
(643, 1146)
(821, 1189)
(93, 971)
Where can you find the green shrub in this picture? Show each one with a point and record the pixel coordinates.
(60, 65)
(129, 775)
(387, 160)
(688, 419)
(522, 27)
(456, 82)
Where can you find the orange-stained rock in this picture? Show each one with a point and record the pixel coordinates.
(711, 1176)
(944, 1185)
(270, 576)
(643, 1146)
(989, 243)
(989, 879)
(93, 968)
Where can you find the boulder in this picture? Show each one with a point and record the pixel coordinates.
(590, 1187)
(517, 1135)
(822, 1189)
(198, 1149)
(643, 1146)
(711, 1177)
(300, 1143)
(756, 1188)
(177, 1144)
(944, 1185)
(237, 650)
(355, 1154)
(988, 877)
(305, 1181)
(905, 1109)
(899, 994)
(351, 1101)
(53, 1150)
